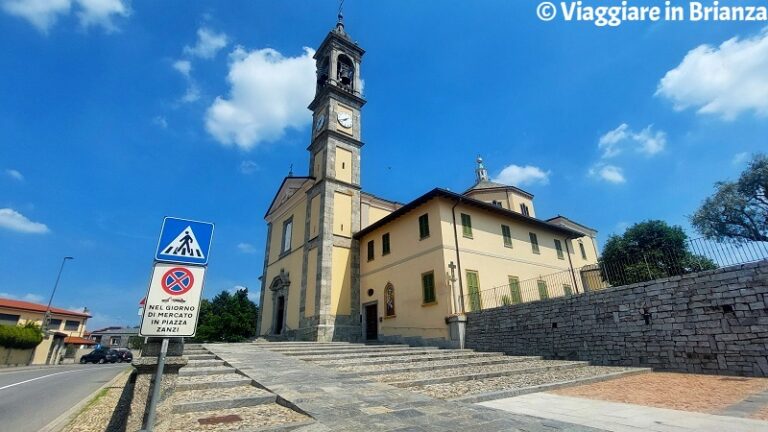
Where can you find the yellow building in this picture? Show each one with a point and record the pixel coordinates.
(342, 264)
(65, 328)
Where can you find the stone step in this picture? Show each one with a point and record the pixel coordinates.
(480, 390)
(265, 417)
(221, 398)
(373, 370)
(205, 371)
(513, 392)
(347, 350)
(195, 363)
(473, 373)
(360, 355)
(395, 359)
(300, 343)
(203, 382)
(193, 346)
(201, 357)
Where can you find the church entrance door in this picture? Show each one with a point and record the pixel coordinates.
(372, 322)
(280, 311)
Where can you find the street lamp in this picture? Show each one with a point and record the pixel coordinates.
(56, 285)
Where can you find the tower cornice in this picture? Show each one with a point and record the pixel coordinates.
(344, 41)
(330, 133)
(331, 89)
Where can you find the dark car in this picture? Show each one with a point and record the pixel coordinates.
(100, 355)
(124, 355)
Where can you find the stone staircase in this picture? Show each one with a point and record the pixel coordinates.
(211, 395)
(454, 374)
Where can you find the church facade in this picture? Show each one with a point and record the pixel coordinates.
(343, 264)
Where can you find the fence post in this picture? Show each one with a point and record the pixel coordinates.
(647, 267)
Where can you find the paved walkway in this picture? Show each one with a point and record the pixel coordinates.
(621, 417)
(749, 406)
(349, 403)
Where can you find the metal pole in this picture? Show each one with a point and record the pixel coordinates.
(156, 389)
(47, 316)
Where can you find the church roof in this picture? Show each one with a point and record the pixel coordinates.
(453, 196)
(288, 187)
(490, 185)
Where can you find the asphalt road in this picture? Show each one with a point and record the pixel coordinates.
(32, 398)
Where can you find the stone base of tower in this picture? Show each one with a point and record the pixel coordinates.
(334, 329)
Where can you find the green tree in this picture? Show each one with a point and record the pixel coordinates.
(227, 318)
(649, 250)
(738, 210)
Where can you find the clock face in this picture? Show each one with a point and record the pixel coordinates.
(320, 122)
(345, 119)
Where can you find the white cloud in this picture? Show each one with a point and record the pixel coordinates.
(183, 66)
(101, 13)
(522, 175)
(192, 94)
(40, 13)
(15, 221)
(609, 173)
(208, 44)
(160, 121)
(740, 158)
(647, 141)
(34, 298)
(725, 80)
(269, 94)
(246, 248)
(248, 167)
(14, 174)
(43, 14)
(253, 295)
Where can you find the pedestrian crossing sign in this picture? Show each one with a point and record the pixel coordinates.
(184, 241)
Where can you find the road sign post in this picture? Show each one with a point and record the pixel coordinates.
(172, 305)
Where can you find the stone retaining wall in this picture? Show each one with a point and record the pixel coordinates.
(708, 322)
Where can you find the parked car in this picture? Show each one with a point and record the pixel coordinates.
(124, 355)
(100, 355)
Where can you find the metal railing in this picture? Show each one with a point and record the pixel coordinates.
(700, 254)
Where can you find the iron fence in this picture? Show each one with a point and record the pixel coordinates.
(698, 255)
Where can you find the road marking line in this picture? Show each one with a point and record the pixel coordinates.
(45, 376)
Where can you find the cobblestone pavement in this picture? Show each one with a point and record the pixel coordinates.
(344, 402)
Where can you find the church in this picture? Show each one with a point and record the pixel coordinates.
(342, 264)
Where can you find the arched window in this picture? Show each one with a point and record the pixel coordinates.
(389, 298)
(322, 72)
(345, 74)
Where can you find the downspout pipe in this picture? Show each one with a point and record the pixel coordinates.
(462, 310)
(570, 264)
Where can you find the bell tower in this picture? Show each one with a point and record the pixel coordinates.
(330, 299)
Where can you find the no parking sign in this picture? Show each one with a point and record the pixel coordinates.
(173, 301)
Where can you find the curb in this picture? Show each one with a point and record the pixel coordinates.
(417, 368)
(502, 394)
(63, 420)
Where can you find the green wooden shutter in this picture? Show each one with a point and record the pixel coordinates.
(507, 235)
(559, 248)
(424, 226)
(473, 285)
(466, 225)
(428, 287)
(534, 242)
(514, 290)
(543, 293)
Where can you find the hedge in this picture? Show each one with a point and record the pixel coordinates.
(20, 337)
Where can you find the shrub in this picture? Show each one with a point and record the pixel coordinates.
(506, 300)
(20, 337)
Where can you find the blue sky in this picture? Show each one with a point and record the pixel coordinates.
(114, 114)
